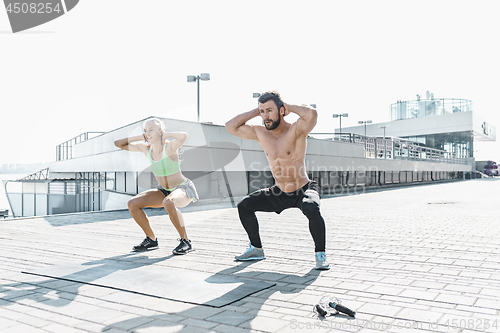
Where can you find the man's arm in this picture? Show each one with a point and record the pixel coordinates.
(308, 117)
(238, 127)
(125, 143)
(179, 139)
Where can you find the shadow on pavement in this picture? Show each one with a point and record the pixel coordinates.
(224, 315)
(116, 215)
(42, 291)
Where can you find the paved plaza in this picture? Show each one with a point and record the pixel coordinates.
(410, 259)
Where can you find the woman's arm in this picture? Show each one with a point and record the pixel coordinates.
(125, 143)
(178, 139)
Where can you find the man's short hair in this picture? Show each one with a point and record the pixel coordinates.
(271, 95)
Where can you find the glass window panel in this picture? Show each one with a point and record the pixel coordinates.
(97, 179)
(93, 200)
(144, 181)
(131, 186)
(56, 204)
(15, 201)
(86, 201)
(110, 180)
(120, 181)
(96, 199)
(28, 205)
(41, 204)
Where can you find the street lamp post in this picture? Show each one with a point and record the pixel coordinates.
(340, 115)
(365, 122)
(203, 77)
(384, 127)
(385, 150)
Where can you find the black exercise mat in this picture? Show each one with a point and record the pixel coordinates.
(183, 285)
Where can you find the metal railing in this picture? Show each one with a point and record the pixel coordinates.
(398, 148)
(42, 174)
(64, 151)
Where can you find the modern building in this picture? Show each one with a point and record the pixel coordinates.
(446, 124)
(91, 174)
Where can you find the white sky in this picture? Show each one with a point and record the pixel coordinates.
(109, 63)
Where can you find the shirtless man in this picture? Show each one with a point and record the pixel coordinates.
(285, 148)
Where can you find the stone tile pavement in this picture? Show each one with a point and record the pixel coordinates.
(411, 259)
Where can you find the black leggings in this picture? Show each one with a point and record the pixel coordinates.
(272, 199)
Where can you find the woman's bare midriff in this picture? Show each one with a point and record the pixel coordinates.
(171, 181)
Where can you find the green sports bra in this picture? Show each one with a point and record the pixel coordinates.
(165, 166)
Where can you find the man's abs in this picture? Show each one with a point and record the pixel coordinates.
(289, 178)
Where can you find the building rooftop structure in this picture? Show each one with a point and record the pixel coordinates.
(447, 124)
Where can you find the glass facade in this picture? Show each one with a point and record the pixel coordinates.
(89, 190)
(82, 194)
(447, 148)
(90, 187)
(110, 181)
(457, 145)
(428, 107)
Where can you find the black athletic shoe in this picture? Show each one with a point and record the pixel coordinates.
(146, 245)
(183, 248)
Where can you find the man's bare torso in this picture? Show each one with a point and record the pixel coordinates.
(286, 155)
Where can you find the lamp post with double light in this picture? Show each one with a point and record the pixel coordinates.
(340, 115)
(365, 122)
(384, 127)
(202, 77)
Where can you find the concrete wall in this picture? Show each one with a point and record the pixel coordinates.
(446, 123)
(210, 148)
(486, 131)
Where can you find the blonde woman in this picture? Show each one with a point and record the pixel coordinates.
(174, 190)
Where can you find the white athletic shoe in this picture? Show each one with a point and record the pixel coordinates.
(321, 263)
(252, 253)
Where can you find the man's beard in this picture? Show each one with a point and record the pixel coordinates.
(273, 125)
